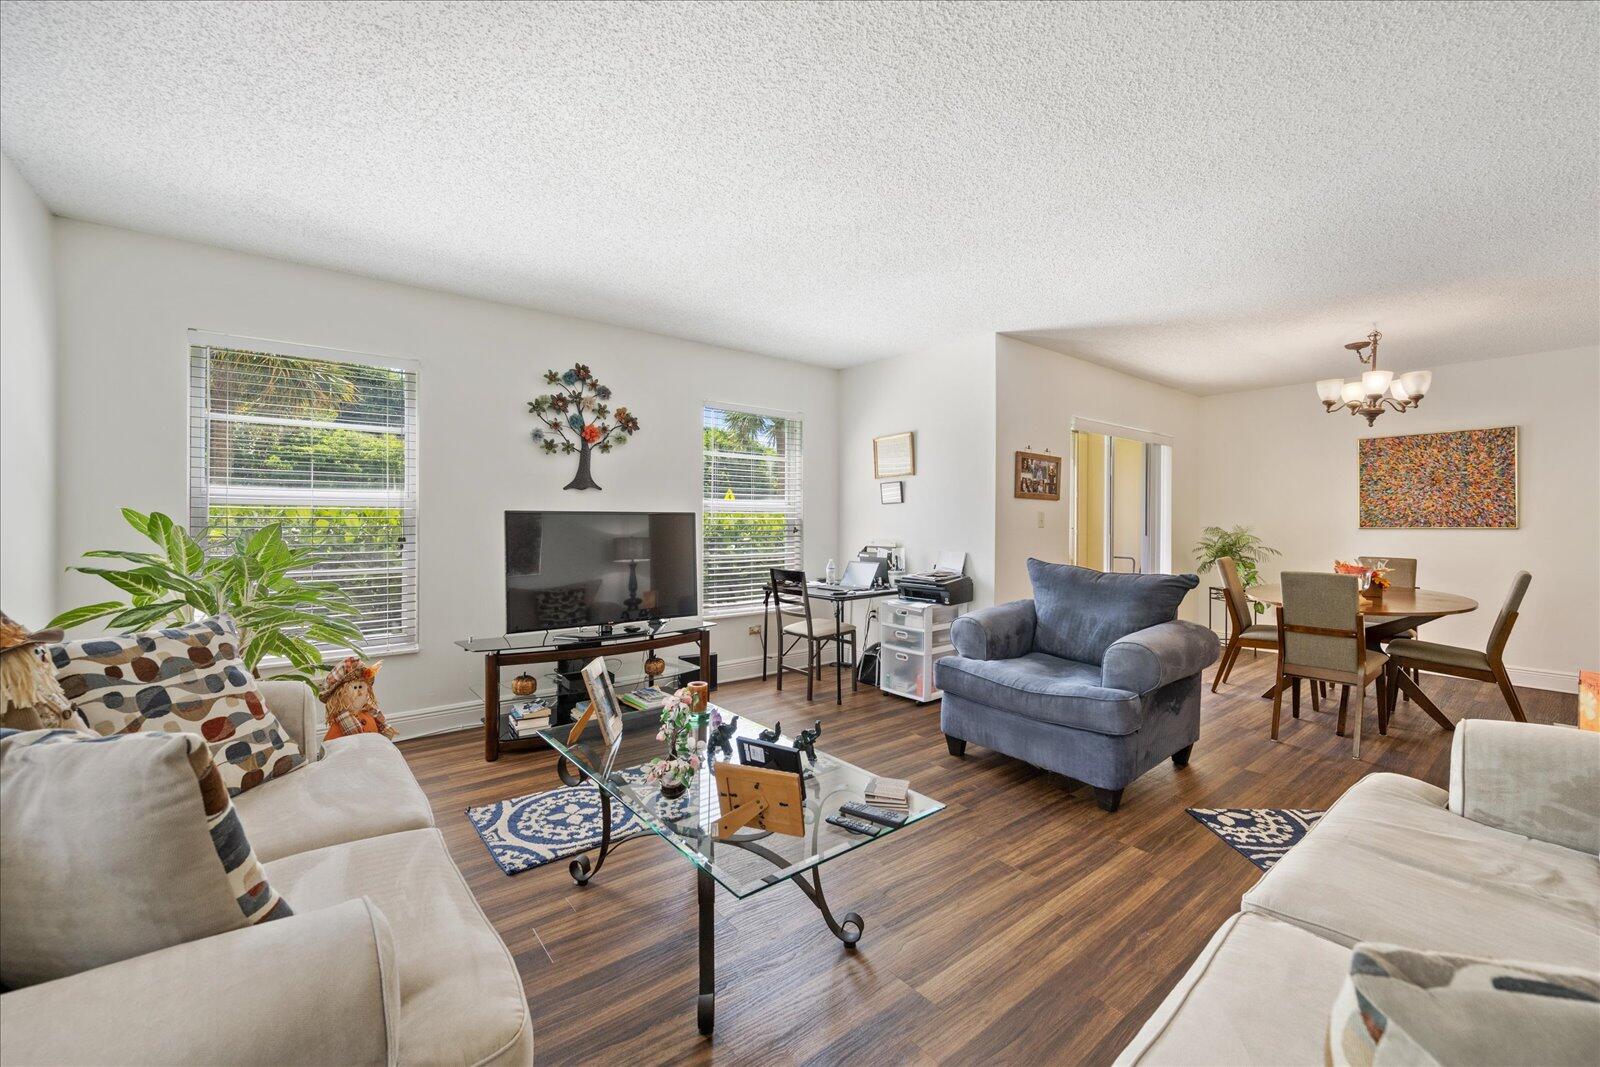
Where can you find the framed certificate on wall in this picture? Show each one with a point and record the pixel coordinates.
(894, 455)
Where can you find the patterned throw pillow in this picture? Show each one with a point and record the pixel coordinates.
(186, 679)
(560, 608)
(111, 847)
(1407, 1006)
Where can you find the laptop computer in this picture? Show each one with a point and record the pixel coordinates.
(858, 574)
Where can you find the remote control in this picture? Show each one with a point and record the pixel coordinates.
(855, 826)
(872, 814)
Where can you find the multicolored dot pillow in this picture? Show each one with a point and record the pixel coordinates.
(183, 679)
(112, 847)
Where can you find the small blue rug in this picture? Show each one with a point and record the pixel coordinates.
(1260, 835)
(529, 831)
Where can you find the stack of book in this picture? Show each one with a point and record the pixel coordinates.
(892, 794)
(647, 699)
(528, 717)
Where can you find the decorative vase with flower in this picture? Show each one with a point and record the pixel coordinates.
(674, 771)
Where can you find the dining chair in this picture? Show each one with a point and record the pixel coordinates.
(1486, 666)
(1320, 633)
(1245, 634)
(1402, 574)
(791, 601)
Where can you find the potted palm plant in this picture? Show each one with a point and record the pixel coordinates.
(1241, 544)
(247, 580)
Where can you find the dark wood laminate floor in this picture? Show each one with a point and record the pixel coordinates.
(1020, 925)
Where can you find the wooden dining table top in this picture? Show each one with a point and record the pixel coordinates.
(1395, 603)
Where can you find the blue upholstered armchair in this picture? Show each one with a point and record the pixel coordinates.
(1094, 678)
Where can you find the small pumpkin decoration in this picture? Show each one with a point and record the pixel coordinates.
(524, 685)
(654, 667)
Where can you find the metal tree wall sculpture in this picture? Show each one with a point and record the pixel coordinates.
(577, 417)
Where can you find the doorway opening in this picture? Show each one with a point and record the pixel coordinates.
(1121, 499)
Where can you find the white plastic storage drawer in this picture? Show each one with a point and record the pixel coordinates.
(903, 674)
(907, 640)
(905, 617)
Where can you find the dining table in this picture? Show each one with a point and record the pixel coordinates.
(1386, 617)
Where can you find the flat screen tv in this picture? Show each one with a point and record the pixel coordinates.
(567, 569)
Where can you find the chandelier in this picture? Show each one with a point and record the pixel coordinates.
(1376, 390)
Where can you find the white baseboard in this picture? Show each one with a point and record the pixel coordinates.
(1539, 678)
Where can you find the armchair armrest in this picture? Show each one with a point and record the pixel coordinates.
(300, 715)
(1531, 779)
(1148, 659)
(312, 988)
(1003, 631)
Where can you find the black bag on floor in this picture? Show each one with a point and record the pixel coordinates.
(867, 669)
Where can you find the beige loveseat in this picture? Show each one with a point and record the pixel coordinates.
(387, 959)
(1505, 864)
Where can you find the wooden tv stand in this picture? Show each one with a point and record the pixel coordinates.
(499, 653)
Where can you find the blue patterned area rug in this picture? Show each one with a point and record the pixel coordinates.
(1260, 835)
(529, 831)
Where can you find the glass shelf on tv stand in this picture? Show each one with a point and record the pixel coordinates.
(581, 642)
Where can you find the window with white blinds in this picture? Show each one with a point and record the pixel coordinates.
(323, 443)
(751, 519)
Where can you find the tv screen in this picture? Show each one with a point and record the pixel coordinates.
(567, 569)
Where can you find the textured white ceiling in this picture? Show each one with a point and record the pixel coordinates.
(1207, 194)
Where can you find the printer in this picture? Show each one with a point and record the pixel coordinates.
(946, 583)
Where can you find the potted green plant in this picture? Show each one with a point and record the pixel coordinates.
(1241, 544)
(248, 580)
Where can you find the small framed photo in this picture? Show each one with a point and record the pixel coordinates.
(607, 708)
(892, 492)
(1038, 476)
(894, 455)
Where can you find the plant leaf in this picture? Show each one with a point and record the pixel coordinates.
(78, 616)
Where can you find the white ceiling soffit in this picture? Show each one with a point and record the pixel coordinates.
(1211, 195)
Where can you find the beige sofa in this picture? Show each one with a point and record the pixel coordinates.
(1505, 864)
(387, 959)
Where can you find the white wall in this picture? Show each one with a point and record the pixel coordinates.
(126, 300)
(28, 561)
(946, 395)
(1276, 462)
(1038, 394)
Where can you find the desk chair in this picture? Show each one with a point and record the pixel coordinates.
(1320, 633)
(791, 601)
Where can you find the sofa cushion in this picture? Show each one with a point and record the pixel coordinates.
(1043, 687)
(1082, 611)
(1258, 994)
(1405, 1006)
(182, 678)
(461, 998)
(112, 847)
(362, 787)
(1390, 863)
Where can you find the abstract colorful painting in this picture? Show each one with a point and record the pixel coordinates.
(1462, 480)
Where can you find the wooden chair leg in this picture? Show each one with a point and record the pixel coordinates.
(1227, 662)
(1509, 691)
(1316, 696)
(1383, 703)
(1361, 713)
(1344, 705)
(1423, 701)
(811, 671)
(1295, 700)
(1277, 702)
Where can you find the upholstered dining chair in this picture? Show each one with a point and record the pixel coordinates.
(1486, 666)
(1402, 574)
(792, 603)
(1320, 633)
(1245, 634)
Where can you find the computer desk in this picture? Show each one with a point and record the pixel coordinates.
(839, 598)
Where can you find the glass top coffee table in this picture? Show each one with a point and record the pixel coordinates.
(750, 861)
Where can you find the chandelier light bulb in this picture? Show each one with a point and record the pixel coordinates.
(1330, 390)
(1416, 382)
(1350, 392)
(1375, 383)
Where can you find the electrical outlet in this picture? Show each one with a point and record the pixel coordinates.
(755, 631)
(1041, 520)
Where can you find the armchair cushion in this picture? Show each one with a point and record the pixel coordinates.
(318, 987)
(1004, 631)
(1527, 778)
(1157, 655)
(1082, 612)
(1044, 687)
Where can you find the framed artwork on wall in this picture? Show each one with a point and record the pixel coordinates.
(1456, 480)
(894, 455)
(1038, 476)
(892, 492)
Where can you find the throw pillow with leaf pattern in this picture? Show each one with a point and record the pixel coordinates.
(181, 679)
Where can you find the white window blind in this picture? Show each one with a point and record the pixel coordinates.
(324, 443)
(751, 515)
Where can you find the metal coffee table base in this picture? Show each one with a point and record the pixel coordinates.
(847, 928)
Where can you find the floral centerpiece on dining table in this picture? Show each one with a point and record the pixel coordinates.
(1373, 580)
(674, 771)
